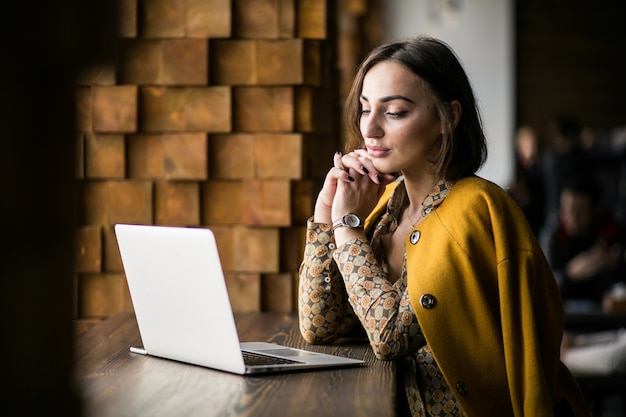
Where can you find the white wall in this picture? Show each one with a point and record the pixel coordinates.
(482, 34)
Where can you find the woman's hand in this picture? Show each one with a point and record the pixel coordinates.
(599, 258)
(325, 198)
(361, 195)
(360, 161)
(368, 184)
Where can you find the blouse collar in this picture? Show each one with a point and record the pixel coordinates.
(399, 199)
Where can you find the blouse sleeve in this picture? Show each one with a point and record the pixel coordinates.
(385, 310)
(323, 309)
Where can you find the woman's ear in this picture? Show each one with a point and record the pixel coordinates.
(455, 107)
(454, 117)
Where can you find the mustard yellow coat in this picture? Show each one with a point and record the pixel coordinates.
(495, 318)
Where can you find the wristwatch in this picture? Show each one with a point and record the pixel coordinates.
(350, 220)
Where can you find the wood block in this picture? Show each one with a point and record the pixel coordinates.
(222, 202)
(232, 156)
(315, 110)
(311, 19)
(256, 19)
(353, 7)
(127, 18)
(111, 252)
(84, 111)
(102, 295)
(114, 109)
(267, 203)
(313, 62)
(292, 241)
(285, 158)
(97, 75)
(248, 249)
(80, 155)
(163, 109)
(280, 62)
(105, 156)
(277, 293)
(318, 154)
(209, 18)
(111, 202)
(165, 62)
(209, 109)
(224, 236)
(141, 61)
(206, 109)
(233, 62)
(177, 203)
(303, 196)
(305, 109)
(265, 62)
(88, 249)
(287, 21)
(186, 156)
(263, 109)
(180, 156)
(244, 292)
(257, 249)
(146, 158)
(185, 62)
(163, 18)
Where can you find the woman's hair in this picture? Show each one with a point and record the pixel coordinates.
(463, 149)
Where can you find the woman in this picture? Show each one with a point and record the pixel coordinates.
(438, 266)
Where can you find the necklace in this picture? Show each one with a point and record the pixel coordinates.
(413, 223)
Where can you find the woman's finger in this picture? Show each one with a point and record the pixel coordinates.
(362, 163)
(340, 174)
(337, 160)
(352, 161)
(378, 177)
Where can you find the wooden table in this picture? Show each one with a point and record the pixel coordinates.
(114, 382)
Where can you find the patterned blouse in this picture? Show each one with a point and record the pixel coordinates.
(384, 310)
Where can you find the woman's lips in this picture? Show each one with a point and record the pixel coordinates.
(376, 151)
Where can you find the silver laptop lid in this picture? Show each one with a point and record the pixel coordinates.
(179, 295)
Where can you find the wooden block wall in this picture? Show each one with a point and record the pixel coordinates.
(214, 115)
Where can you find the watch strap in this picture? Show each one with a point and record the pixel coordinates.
(338, 223)
(341, 222)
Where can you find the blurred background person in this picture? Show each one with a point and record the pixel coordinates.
(563, 158)
(585, 247)
(527, 189)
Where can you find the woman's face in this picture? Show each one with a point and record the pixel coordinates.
(399, 122)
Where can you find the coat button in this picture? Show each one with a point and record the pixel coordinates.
(428, 301)
(415, 237)
(461, 388)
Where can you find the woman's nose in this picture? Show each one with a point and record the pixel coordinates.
(370, 128)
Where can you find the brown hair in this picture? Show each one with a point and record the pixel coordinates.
(463, 149)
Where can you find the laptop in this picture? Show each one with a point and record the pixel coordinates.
(182, 307)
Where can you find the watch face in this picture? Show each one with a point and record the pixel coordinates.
(352, 220)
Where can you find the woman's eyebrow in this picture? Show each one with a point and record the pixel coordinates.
(390, 98)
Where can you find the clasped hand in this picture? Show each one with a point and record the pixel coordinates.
(601, 257)
(352, 185)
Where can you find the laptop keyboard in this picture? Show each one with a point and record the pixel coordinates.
(256, 359)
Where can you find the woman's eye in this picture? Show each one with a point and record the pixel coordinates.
(365, 111)
(396, 115)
